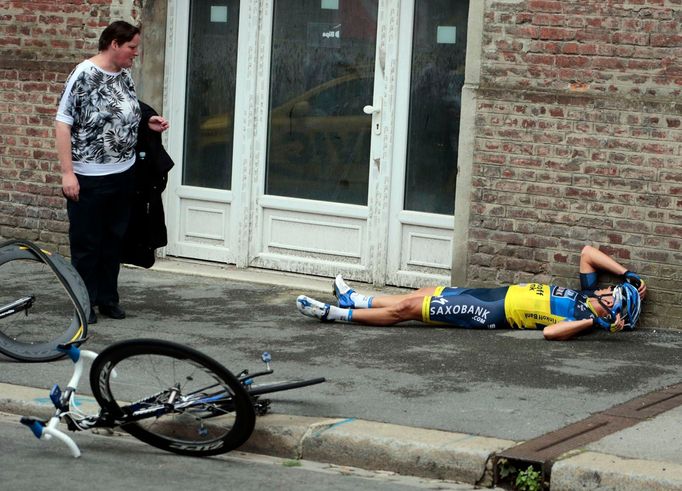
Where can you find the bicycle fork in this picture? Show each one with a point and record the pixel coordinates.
(46, 430)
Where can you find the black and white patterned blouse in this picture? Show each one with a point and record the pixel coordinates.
(102, 109)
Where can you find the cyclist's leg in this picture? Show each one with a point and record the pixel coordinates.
(408, 308)
(350, 298)
(392, 300)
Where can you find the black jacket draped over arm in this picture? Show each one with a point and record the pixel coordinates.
(147, 227)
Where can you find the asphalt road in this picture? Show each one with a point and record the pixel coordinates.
(505, 384)
(122, 463)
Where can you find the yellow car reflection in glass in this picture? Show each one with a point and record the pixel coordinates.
(319, 135)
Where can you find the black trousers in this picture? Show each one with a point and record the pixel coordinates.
(97, 225)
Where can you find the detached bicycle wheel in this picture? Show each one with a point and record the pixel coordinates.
(43, 302)
(172, 397)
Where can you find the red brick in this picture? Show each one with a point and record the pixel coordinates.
(545, 6)
(666, 40)
(557, 33)
(521, 32)
(572, 61)
(549, 20)
(638, 38)
(593, 36)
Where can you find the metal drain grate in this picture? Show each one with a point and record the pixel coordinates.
(542, 451)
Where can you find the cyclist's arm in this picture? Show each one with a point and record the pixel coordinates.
(593, 260)
(561, 331)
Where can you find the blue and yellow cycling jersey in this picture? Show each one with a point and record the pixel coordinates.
(535, 306)
(525, 306)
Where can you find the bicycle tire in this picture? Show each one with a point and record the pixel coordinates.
(256, 390)
(24, 265)
(144, 371)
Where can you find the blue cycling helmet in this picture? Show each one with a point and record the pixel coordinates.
(627, 303)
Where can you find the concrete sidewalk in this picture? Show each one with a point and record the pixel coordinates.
(432, 402)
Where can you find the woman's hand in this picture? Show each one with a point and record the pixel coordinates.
(70, 186)
(158, 124)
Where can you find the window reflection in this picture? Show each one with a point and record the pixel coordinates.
(321, 77)
(438, 55)
(210, 93)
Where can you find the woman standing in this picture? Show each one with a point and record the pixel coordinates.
(96, 131)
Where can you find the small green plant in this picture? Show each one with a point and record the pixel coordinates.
(528, 480)
(292, 463)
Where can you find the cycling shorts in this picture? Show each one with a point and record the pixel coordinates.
(471, 308)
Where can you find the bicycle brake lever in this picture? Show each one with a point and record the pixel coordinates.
(56, 398)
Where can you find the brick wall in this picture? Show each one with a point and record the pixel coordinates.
(579, 140)
(40, 43)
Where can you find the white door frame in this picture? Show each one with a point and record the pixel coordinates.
(420, 244)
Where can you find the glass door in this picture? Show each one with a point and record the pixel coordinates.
(428, 107)
(210, 43)
(436, 80)
(210, 94)
(321, 75)
(313, 211)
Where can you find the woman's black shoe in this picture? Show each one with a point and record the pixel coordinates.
(92, 318)
(113, 311)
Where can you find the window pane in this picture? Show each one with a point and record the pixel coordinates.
(210, 93)
(322, 76)
(438, 55)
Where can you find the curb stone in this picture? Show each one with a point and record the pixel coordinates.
(378, 446)
(592, 470)
(347, 442)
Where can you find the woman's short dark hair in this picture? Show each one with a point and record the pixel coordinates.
(119, 31)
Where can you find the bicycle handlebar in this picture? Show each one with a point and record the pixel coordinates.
(45, 431)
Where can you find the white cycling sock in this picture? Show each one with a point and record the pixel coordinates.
(361, 301)
(338, 314)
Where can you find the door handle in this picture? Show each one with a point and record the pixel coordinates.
(375, 111)
(368, 109)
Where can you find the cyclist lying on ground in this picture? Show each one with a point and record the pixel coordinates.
(560, 312)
